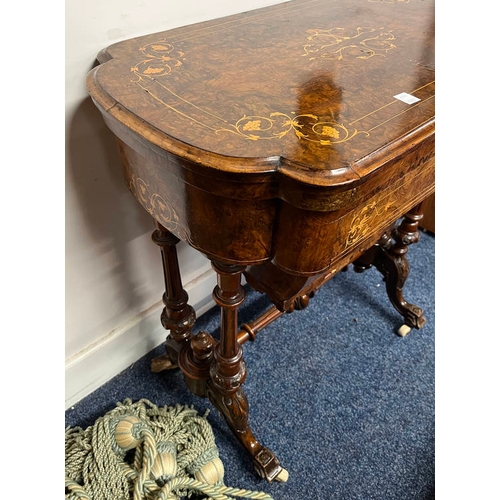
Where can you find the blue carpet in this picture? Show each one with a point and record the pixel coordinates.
(346, 405)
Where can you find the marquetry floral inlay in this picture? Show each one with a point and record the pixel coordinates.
(253, 125)
(337, 43)
(366, 219)
(156, 205)
(161, 58)
(306, 126)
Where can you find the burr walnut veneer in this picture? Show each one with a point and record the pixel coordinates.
(284, 144)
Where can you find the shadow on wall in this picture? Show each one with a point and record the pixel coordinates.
(112, 216)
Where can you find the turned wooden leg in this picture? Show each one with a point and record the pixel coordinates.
(177, 315)
(228, 372)
(391, 261)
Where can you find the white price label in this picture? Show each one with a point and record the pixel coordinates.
(407, 98)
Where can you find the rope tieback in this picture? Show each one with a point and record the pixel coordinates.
(138, 451)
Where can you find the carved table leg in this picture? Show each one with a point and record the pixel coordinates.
(228, 372)
(177, 315)
(391, 261)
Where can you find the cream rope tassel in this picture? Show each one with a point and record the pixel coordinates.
(141, 452)
(216, 492)
(165, 465)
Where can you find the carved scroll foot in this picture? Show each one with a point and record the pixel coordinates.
(391, 261)
(162, 363)
(226, 394)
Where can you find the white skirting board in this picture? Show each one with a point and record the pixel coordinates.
(98, 363)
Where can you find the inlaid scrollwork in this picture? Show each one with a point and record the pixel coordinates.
(306, 126)
(364, 220)
(159, 208)
(336, 42)
(161, 59)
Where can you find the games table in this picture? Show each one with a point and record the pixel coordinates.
(284, 144)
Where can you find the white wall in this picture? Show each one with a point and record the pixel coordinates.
(113, 270)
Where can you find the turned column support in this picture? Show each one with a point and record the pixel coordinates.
(228, 372)
(407, 233)
(177, 316)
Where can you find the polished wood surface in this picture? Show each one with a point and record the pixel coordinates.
(302, 87)
(305, 95)
(285, 144)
